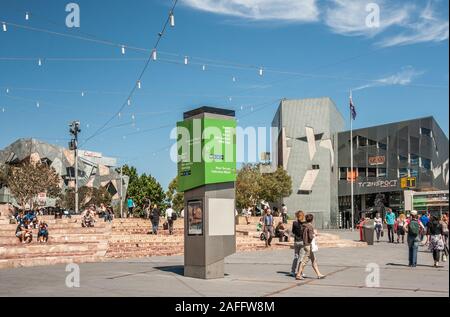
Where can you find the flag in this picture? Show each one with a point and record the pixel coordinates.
(352, 108)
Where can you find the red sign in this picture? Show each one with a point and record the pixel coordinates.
(377, 160)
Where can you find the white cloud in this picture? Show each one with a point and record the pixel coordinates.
(402, 78)
(348, 17)
(427, 28)
(282, 10)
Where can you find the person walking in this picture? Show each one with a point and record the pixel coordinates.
(268, 227)
(413, 230)
(378, 226)
(308, 237)
(390, 221)
(297, 231)
(154, 217)
(401, 223)
(284, 213)
(444, 224)
(424, 220)
(170, 217)
(130, 205)
(436, 239)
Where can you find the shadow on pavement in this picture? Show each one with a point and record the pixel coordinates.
(405, 265)
(176, 269)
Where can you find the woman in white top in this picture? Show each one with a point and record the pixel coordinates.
(378, 226)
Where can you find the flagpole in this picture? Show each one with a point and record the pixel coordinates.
(351, 165)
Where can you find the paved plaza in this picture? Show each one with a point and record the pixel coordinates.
(259, 274)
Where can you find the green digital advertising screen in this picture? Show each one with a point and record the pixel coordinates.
(207, 152)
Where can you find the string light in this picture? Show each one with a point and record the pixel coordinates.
(133, 117)
(27, 16)
(7, 90)
(129, 101)
(82, 94)
(40, 62)
(204, 67)
(123, 50)
(139, 84)
(154, 54)
(37, 104)
(261, 71)
(4, 27)
(234, 79)
(119, 115)
(3, 109)
(186, 60)
(172, 19)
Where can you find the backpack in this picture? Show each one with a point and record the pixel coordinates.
(174, 216)
(413, 228)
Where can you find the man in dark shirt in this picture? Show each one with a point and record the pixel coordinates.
(297, 231)
(155, 219)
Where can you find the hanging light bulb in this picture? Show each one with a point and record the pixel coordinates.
(87, 125)
(133, 117)
(129, 101)
(230, 99)
(4, 27)
(3, 109)
(186, 60)
(40, 62)
(123, 49)
(7, 90)
(37, 104)
(154, 54)
(204, 67)
(234, 79)
(242, 108)
(82, 94)
(139, 84)
(261, 71)
(172, 19)
(119, 115)
(251, 109)
(27, 16)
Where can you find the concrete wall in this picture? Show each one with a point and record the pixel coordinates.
(322, 115)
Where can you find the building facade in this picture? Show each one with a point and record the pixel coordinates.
(389, 159)
(311, 145)
(306, 147)
(94, 170)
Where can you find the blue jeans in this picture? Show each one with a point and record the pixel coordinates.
(155, 228)
(413, 246)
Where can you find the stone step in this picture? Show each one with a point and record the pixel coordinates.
(9, 233)
(60, 238)
(39, 250)
(48, 260)
(58, 226)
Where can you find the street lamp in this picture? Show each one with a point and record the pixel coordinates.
(73, 145)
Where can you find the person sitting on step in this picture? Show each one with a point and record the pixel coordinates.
(43, 232)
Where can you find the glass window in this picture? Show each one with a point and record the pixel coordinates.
(402, 172)
(382, 146)
(372, 142)
(425, 163)
(316, 167)
(372, 172)
(413, 159)
(413, 172)
(382, 172)
(402, 159)
(343, 173)
(426, 132)
(362, 172)
(362, 141)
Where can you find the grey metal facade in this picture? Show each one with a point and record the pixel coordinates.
(293, 152)
(384, 154)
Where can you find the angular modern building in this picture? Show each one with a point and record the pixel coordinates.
(94, 170)
(311, 145)
(306, 146)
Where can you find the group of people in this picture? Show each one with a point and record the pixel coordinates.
(28, 221)
(89, 214)
(416, 228)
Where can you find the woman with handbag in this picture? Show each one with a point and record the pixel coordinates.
(309, 245)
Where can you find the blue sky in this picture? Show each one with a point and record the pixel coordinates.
(307, 49)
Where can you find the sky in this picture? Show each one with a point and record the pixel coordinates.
(398, 68)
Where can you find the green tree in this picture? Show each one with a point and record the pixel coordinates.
(87, 196)
(26, 180)
(174, 197)
(248, 186)
(143, 188)
(276, 186)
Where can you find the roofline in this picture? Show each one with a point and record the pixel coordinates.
(390, 123)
